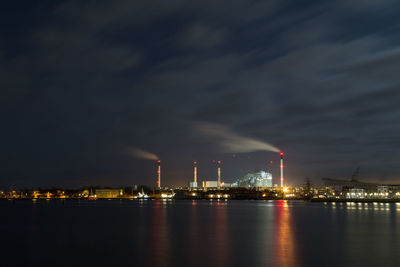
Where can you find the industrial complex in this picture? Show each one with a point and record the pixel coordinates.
(252, 185)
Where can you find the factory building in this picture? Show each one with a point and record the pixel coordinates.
(356, 193)
(370, 190)
(223, 184)
(343, 185)
(109, 193)
(192, 184)
(255, 179)
(210, 184)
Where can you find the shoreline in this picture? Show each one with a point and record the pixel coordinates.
(316, 200)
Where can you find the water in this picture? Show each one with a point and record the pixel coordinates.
(198, 233)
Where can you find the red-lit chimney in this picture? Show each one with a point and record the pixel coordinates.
(219, 173)
(282, 179)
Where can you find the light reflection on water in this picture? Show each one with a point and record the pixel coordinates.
(201, 233)
(365, 206)
(221, 233)
(160, 234)
(285, 254)
(194, 233)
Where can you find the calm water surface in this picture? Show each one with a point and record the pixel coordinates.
(198, 233)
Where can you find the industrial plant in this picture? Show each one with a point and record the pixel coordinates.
(255, 179)
(252, 185)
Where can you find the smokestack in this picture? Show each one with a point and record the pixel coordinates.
(219, 173)
(282, 185)
(195, 173)
(159, 174)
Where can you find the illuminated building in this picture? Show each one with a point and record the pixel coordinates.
(255, 179)
(167, 195)
(109, 193)
(357, 193)
(373, 190)
(223, 184)
(208, 184)
(382, 189)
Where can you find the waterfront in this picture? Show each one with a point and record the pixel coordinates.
(199, 233)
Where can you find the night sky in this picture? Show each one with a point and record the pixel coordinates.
(82, 82)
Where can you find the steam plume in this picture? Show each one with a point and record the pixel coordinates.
(141, 154)
(230, 142)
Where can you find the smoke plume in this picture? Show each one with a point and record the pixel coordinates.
(231, 142)
(141, 154)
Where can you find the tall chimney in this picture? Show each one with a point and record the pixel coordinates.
(282, 184)
(159, 174)
(219, 173)
(195, 173)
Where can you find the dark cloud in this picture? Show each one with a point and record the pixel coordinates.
(85, 80)
(201, 35)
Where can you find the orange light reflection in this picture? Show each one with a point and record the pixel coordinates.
(285, 249)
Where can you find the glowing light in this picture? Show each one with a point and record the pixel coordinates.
(142, 195)
(163, 195)
(285, 189)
